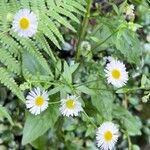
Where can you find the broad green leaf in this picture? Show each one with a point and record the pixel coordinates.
(129, 45)
(86, 90)
(40, 143)
(4, 113)
(32, 65)
(129, 122)
(103, 102)
(32, 69)
(67, 75)
(100, 34)
(36, 126)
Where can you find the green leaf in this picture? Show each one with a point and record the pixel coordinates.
(145, 82)
(135, 147)
(74, 67)
(4, 113)
(86, 90)
(36, 126)
(103, 102)
(32, 69)
(32, 64)
(122, 90)
(40, 143)
(115, 8)
(67, 75)
(131, 123)
(54, 90)
(89, 131)
(129, 45)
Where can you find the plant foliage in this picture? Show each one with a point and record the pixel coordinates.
(68, 55)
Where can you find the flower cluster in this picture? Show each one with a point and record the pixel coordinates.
(107, 134)
(37, 101)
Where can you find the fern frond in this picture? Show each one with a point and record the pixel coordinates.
(76, 5)
(43, 44)
(10, 44)
(11, 63)
(52, 16)
(9, 82)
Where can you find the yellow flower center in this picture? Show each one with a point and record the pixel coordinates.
(39, 101)
(116, 74)
(108, 136)
(70, 104)
(24, 23)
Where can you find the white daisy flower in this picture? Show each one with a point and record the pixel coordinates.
(25, 23)
(70, 106)
(116, 73)
(107, 136)
(37, 101)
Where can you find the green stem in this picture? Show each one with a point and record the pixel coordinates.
(90, 119)
(78, 85)
(83, 28)
(129, 142)
(128, 136)
(52, 103)
(125, 102)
